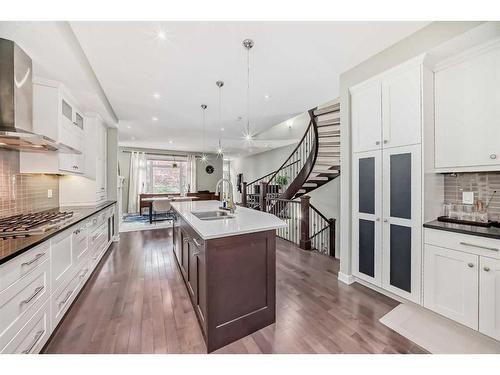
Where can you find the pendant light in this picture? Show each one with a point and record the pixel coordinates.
(220, 150)
(204, 157)
(174, 164)
(248, 44)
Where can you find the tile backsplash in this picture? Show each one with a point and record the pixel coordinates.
(483, 184)
(23, 193)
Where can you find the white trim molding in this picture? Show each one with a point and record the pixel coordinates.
(345, 278)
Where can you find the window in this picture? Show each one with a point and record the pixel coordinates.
(166, 176)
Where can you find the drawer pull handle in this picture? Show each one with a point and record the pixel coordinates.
(66, 298)
(37, 256)
(377, 142)
(35, 293)
(196, 253)
(196, 242)
(493, 156)
(479, 246)
(487, 269)
(38, 335)
(470, 265)
(185, 240)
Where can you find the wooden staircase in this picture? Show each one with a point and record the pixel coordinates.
(313, 163)
(327, 164)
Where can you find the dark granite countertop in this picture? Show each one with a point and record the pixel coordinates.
(492, 232)
(12, 247)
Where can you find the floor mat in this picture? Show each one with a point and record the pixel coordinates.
(437, 334)
(132, 223)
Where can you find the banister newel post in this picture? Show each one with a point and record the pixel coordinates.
(263, 196)
(305, 240)
(244, 195)
(331, 248)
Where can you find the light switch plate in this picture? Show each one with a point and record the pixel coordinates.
(468, 197)
(49, 193)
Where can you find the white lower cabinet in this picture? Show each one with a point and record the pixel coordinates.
(451, 284)
(33, 335)
(489, 297)
(462, 279)
(38, 287)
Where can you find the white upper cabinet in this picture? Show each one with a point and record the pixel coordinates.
(401, 108)
(387, 110)
(366, 107)
(467, 112)
(56, 116)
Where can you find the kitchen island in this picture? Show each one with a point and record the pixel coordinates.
(228, 262)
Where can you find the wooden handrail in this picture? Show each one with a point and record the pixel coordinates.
(319, 213)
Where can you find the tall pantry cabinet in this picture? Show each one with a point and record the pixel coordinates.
(386, 118)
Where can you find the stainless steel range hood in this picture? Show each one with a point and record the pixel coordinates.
(16, 103)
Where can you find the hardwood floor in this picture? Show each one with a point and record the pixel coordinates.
(136, 302)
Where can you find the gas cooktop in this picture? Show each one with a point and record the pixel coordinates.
(32, 224)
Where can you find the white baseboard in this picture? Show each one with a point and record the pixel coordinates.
(345, 278)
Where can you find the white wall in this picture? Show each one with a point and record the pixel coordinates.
(420, 42)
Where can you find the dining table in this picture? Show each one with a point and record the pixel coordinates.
(150, 200)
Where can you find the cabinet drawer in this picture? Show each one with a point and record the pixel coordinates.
(23, 264)
(463, 242)
(79, 243)
(62, 258)
(33, 335)
(62, 299)
(21, 299)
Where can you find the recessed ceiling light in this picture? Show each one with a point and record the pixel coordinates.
(132, 138)
(221, 129)
(154, 118)
(170, 141)
(129, 127)
(156, 95)
(267, 96)
(160, 34)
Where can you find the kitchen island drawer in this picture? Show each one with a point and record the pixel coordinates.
(33, 335)
(478, 245)
(21, 299)
(23, 264)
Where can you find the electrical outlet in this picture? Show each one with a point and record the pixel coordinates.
(49, 193)
(468, 197)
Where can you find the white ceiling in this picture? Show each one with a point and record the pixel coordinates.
(296, 63)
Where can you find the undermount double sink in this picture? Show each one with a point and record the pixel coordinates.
(212, 215)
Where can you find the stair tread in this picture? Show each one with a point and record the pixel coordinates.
(334, 143)
(309, 184)
(332, 108)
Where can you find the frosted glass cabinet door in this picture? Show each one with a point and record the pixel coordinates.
(401, 222)
(367, 208)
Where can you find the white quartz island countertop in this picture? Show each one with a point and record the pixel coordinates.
(245, 220)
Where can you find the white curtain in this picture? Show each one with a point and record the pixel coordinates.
(137, 181)
(191, 173)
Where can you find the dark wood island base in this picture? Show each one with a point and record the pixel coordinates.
(231, 281)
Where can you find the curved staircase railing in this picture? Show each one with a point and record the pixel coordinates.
(314, 162)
